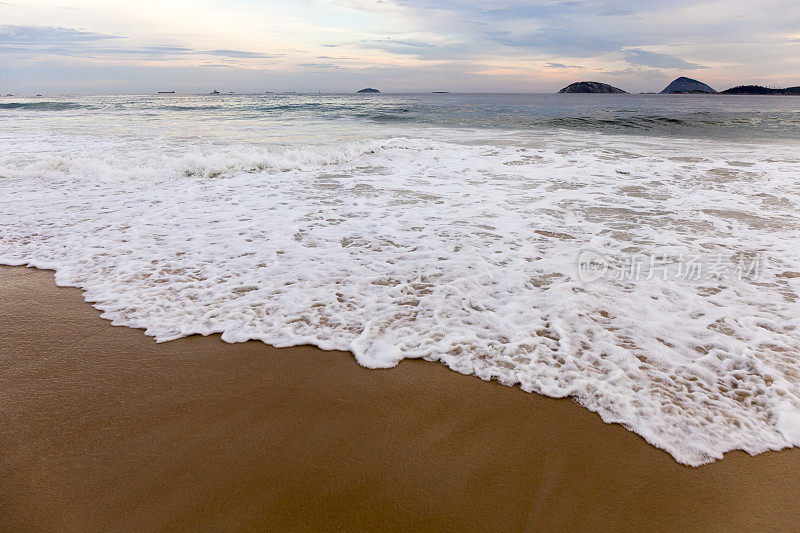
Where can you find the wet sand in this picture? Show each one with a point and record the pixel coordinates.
(102, 428)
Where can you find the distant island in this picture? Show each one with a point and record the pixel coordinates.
(759, 90)
(590, 87)
(440, 92)
(684, 85)
(368, 90)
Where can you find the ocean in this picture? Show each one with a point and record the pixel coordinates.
(638, 253)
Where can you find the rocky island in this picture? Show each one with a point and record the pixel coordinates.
(759, 90)
(590, 87)
(368, 90)
(685, 85)
(682, 85)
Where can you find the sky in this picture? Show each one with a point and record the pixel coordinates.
(99, 47)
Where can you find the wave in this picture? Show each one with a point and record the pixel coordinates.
(43, 106)
(190, 107)
(623, 122)
(717, 123)
(122, 164)
(450, 233)
(336, 108)
(458, 252)
(647, 123)
(690, 125)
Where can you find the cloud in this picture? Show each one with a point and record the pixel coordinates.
(239, 54)
(653, 59)
(45, 40)
(320, 65)
(601, 29)
(558, 42)
(505, 45)
(399, 46)
(563, 66)
(165, 49)
(638, 73)
(402, 42)
(36, 35)
(514, 10)
(423, 50)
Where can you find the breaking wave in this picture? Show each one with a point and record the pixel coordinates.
(458, 245)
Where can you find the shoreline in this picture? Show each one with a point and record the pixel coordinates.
(105, 429)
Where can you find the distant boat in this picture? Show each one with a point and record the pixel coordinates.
(214, 92)
(38, 95)
(166, 92)
(441, 92)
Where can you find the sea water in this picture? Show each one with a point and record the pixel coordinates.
(640, 254)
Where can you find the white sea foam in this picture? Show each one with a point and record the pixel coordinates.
(454, 246)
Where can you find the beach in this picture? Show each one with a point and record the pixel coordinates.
(104, 429)
(399, 266)
(628, 251)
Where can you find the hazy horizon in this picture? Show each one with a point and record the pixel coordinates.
(167, 92)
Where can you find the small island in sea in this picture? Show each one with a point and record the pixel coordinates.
(684, 85)
(760, 90)
(591, 87)
(368, 90)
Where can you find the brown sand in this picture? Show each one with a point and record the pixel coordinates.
(101, 428)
